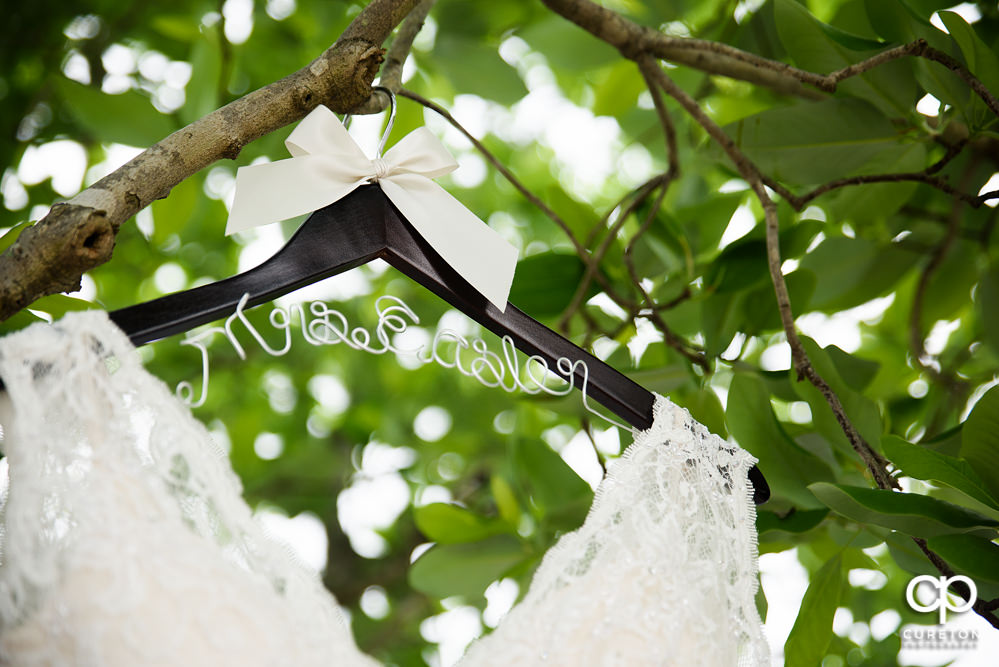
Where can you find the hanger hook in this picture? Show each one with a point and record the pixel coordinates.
(391, 120)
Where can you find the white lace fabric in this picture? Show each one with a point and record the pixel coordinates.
(125, 540)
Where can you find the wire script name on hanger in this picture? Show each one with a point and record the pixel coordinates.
(448, 349)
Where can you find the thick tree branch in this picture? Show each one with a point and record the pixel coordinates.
(633, 40)
(79, 234)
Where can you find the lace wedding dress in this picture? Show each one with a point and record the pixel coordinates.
(125, 541)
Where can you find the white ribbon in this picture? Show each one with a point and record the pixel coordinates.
(327, 165)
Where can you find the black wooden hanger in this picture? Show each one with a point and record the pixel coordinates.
(363, 226)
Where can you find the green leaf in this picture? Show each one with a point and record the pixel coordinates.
(545, 283)
(787, 466)
(705, 407)
(907, 555)
(506, 500)
(873, 201)
(922, 463)
(950, 285)
(202, 92)
(924, 9)
(857, 373)
(450, 524)
(986, 299)
(862, 411)
(980, 439)
(761, 601)
(910, 513)
(943, 84)
(849, 40)
(854, 271)
(792, 522)
(128, 118)
(555, 489)
(476, 67)
(820, 48)
(740, 266)
(12, 234)
(465, 569)
(981, 60)
(618, 92)
(704, 223)
(567, 46)
(813, 629)
(173, 213)
(18, 321)
(721, 319)
(176, 26)
(58, 305)
(812, 143)
(974, 556)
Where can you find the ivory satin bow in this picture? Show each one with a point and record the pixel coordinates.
(327, 165)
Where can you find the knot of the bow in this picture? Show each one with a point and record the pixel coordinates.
(381, 168)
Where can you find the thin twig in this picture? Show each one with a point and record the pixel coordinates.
(641, 191)
(875, 463)
(587, 425)
(669, 130)
(983, 608)
(953, 150)
(915, 48)
(391, 76)
(960, 70)
(593, 267)
(799, 202)
(651, 313)
(502, 169)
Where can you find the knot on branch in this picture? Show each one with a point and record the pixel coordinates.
(89, 241)
(354, 66)
(93, 241)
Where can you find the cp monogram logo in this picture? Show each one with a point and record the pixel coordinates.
(942, 603)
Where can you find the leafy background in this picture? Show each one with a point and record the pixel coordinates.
(336, 435)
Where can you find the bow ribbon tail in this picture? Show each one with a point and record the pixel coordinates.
(302, 185)
(478, 253)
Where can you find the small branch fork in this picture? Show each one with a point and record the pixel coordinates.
(646, 47)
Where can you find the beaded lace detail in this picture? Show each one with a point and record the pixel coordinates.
(663, 570)
(124, 539)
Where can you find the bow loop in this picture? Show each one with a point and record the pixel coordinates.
(327, 165)
(322, 133)
(420, 152)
